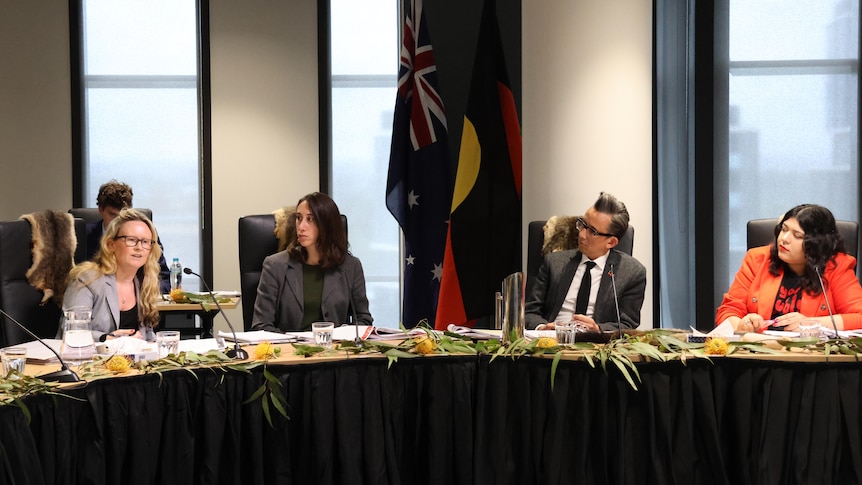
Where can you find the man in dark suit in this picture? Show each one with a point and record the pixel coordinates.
(112, 198)
(561, 290)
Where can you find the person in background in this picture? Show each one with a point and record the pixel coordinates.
(555, 293)
(315, 279)
(778, 285)
(112, 198)
(121, 282)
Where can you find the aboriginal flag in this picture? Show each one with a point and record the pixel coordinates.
(483, 243)
(419, 185)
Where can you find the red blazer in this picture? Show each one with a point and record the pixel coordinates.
(754, 290)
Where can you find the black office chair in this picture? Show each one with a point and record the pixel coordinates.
(256, 241)
(91, 214)
(536, 239)
(17, 297)
(760, 232)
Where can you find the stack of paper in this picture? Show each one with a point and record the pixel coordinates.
(258, 336)
(724, 330)
(37, 353)
(473, 332)
(386, 333)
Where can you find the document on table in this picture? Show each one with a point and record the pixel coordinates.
(257, 336)
(39, 354)
(534, 334)
(344, 332)
(479, 334)
(386, 333)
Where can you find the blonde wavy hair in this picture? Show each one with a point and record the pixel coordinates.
(105, 263)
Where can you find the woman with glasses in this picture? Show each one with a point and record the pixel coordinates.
(779, 285)
(121, 282)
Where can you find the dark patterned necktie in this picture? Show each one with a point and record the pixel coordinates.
(584, 290)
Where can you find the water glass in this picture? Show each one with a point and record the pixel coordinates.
(566, 329)
(323, 333)
(809, 329)
(13, 358)
(168, 342)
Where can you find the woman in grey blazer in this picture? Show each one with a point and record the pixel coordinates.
(121, 283)
(315, 278)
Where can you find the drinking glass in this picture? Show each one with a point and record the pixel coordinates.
(566, 329)
(168, 342)
(323, 333)
(809, 329)
(13, 358)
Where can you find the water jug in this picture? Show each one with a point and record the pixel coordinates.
(513, 307)
(78, 345)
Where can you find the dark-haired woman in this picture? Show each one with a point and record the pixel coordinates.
(777, 285)
(315, 279)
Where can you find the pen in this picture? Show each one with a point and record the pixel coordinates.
(768, 323)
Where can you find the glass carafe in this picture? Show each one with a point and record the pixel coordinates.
(78, 345)
(513, 307)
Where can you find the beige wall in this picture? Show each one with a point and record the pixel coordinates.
(586, 112)
(264, 118)
(35, 108)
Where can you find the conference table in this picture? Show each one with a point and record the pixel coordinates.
(450, 419)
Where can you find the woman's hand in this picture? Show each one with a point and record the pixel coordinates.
(790, 321)
(752, 322)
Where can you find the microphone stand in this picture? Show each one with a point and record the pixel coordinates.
(352, 311)
(616, 302)
(828, 306)
(64, 374)
(236, 352)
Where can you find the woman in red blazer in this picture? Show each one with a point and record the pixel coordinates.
(778, 286)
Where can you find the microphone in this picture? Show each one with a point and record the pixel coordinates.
(236, 352)
(352, 310)
(616, 301)
(828, 306)
(64, 374)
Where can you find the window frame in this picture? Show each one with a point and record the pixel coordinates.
(203, 82)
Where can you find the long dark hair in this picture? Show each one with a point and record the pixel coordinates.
(331, 236)
(821, 243)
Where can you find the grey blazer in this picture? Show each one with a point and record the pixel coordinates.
(103, 297)
(556, 275)
(280, 302)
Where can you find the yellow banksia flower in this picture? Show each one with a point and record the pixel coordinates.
(425, 345)
(546, 343)
(716, 346)
(118, 363)
(265, 350)
(177, 294)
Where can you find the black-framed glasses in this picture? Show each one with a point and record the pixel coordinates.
(132, 241)
(581, 224)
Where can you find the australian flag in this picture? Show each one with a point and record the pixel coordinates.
(419, 186)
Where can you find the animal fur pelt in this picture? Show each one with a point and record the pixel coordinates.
(560, 234)
(285, 225)
(53, 245)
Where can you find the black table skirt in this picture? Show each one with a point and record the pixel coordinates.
(450, 420)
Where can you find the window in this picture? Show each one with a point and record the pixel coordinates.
(757, 108)
(364, 67)
(140, 105)
(792, 117)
